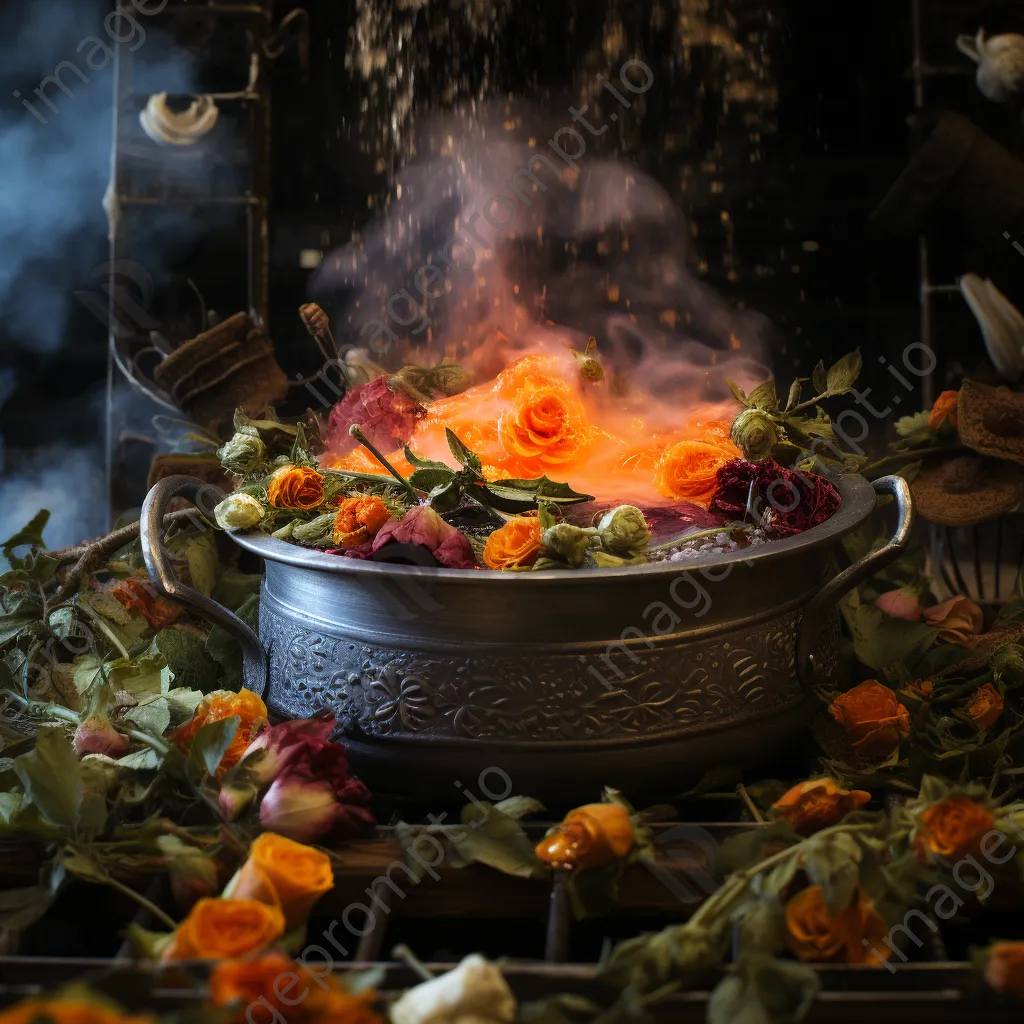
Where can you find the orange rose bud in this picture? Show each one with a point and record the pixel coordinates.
(985, 707)
(218, 929)
(217, 706)
(817, 804)
(284, 872)
(943, 409)
(588, 837)
(358, 520)
(515, 544)
(816, 935)
(137, 595)
(295, 487)
(688, 470)
(874, 720)
(952, 828)
(1004, 969)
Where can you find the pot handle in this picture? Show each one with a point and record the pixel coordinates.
(161, 573)
(821, 604)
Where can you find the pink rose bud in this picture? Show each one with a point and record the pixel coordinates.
(901, 604)
(97, 736)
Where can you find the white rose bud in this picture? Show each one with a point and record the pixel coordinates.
(238, 512)
(242, 454)
(475, 990)
(624, 530)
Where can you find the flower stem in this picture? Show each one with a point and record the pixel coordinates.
(751, 806)
(162, 917)
(411, 960)
(911, 456)
(356, 431)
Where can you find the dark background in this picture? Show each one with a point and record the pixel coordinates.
(778, 187)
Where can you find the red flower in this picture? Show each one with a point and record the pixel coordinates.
(791, 502)
(423, 526)
(387, 417)
(311, 792)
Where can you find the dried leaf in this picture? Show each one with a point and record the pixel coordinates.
(763, 397)
(819, 378)
(50, 776)
(843, 374)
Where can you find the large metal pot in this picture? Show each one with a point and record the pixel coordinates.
(641, 678)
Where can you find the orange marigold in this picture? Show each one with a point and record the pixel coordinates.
(943, 409)
(818, 803)
(358, 520)
(688, 469)
(951, 828)
(515, 544)
(295, 487)
(217, 706)
(873, 719)
(817, 935)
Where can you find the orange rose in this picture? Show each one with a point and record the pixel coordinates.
(295, 487)
(952, 828)
(545, 426)
(688, 470)
(588, 837)
(514, 544)
(816, 935)
(217, 929)
(68, 1011)
(817, 804)
(874, 720)
(275, 981)
(215, 707)
(358, 520)
(943, 409)
(985, 706)
(957, 619)
(283, 872)
(1004, 969)
(137, 595)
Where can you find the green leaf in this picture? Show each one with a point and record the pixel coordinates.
(210, 744)
(843, 374)
(763, 397)
(763, 990)
(141, 677)
(539, 487)
(819, 378)
(911, 426)
(833, 862)
(30, 535)
(428, 478)
(497, 840)
(414, 460)
(446, 497)
(185, 653)
(82, 866)
(747, 847)
(761, 925)
(50, 776)
(738, 392)
(12, 625)
(879, 639)
(462, 454)
(203, 564)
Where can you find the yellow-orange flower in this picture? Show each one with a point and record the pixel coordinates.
(816, 935)
(358, 520)
(985, 707)
(67, 1010)
(588, 837)
(217, 706)
(514, 544)
(952, 828)
(545, 426)
(943, 409)
(277, 982)
(817, 804)
(295, 487)
(283, 872)
(873, 719)
(688, 469)
(218, 929)
(1004, 969)
(137, 595)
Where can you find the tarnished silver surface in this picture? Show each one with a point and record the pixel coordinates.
(565, 681)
